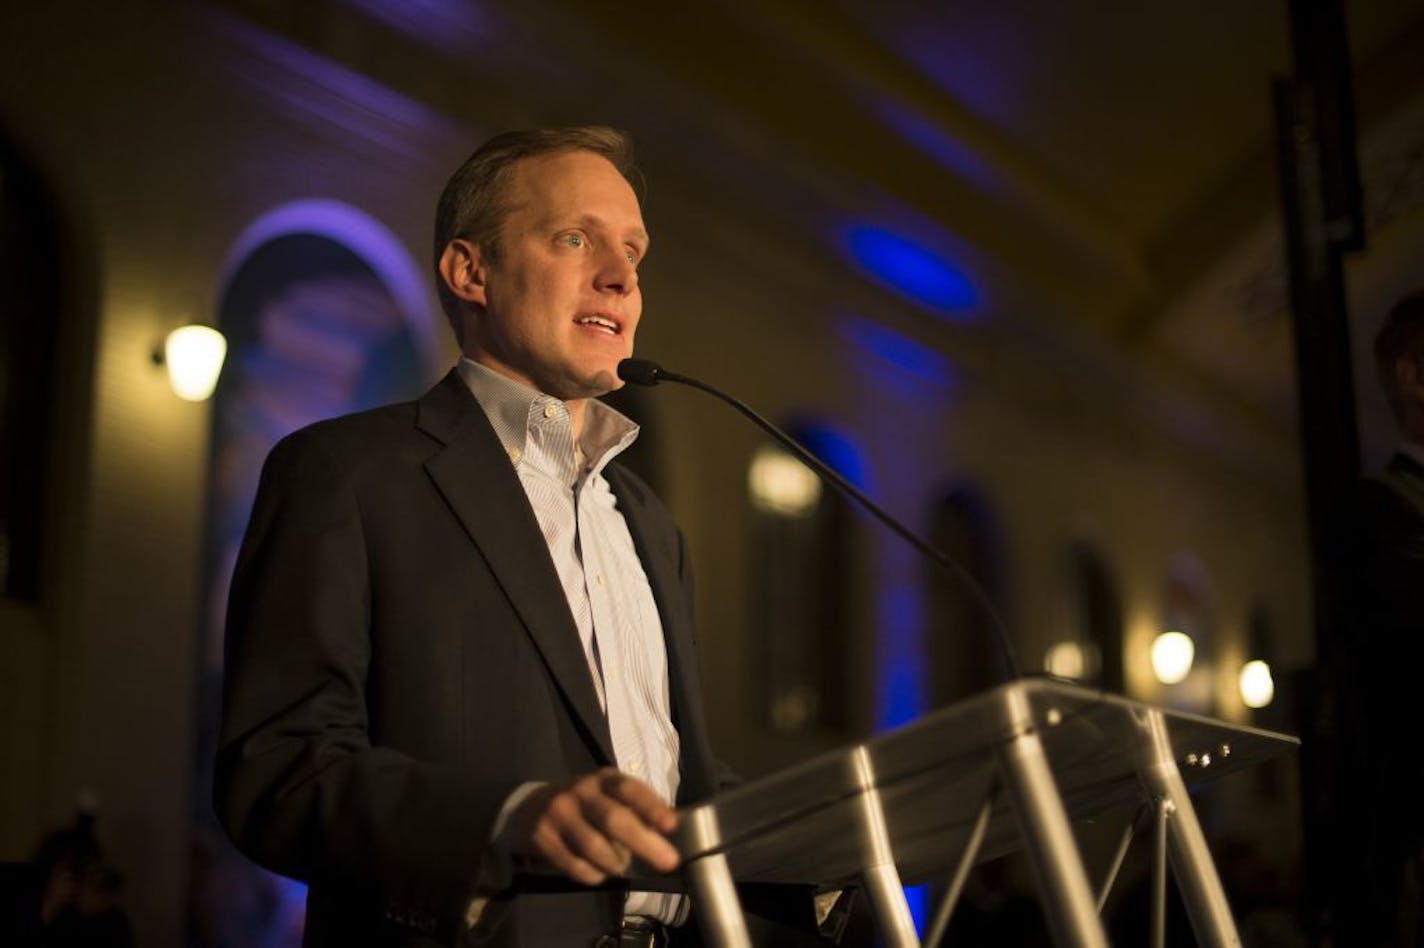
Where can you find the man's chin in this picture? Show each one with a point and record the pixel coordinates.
(593, 385)
(603, 382)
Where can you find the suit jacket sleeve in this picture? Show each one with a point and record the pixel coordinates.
(299, 786)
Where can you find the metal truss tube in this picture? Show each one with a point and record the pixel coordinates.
(879, 875)
(961, 874)
(1197, 880)
(1058, 867)
(709, 880)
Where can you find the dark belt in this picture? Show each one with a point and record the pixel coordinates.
(637, 932)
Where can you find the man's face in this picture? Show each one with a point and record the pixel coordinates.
(561, 304)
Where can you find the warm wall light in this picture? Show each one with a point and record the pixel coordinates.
(1256, 684)
(194, 357)
(780, 484)
(1172, 655)
(1066, 660)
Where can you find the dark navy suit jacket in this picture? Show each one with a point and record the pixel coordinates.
(401, 656)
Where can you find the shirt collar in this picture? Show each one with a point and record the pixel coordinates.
(511, 407)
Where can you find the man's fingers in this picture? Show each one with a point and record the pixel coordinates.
(551, 847)
(623, 825)
(643, 799)
(591, 828)
(588, 841)
(568, 816)
(556, 830)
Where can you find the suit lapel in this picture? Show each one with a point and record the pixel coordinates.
(476, 479)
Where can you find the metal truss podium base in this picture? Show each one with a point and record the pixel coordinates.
(1007, 769)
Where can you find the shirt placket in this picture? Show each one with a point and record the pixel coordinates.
(549, 454)
(623, 728)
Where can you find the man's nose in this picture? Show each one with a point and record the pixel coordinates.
(617, 274)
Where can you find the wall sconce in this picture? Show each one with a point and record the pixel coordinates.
(1257, 686)
(780, 484)
(1172, 657)
(1065, 660)
(1072, 659)
(193, 356)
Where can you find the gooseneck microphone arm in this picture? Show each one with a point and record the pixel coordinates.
(647, 372)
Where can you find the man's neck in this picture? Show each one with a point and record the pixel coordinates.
(577, 406)
(577, 409)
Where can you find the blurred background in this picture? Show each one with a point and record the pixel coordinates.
(1013, 268)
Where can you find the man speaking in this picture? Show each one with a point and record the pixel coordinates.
(459, 633)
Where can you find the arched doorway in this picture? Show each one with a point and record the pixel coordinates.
(802, 586)
(1090, 638)
(323, 318)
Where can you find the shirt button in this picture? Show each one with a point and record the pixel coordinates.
(598, 578)
(550, 411)
(515, 454)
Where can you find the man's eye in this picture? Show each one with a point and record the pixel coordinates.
(574, 240)
(631, 254)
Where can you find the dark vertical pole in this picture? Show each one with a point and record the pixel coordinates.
(1322, 217)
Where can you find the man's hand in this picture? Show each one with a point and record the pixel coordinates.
(590, 828)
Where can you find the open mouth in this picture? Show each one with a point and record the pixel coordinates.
(600, 322)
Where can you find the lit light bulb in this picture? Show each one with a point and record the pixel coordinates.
(1172, 655)
(1065, 660)
(194, 356)
(780, 484)
(1256, 684)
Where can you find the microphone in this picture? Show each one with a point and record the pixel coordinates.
(648, 372)
(641, 371)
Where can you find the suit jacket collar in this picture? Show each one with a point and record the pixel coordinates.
(475, 476)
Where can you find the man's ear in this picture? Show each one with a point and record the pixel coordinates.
(464, 269)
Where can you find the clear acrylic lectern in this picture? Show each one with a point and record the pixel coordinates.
(1008, 768)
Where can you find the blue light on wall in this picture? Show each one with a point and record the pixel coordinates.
(918, 897)
(289, 919)
(833, 448)
(899, 356)
(901, 688)
(914, 271)
(948, 152)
